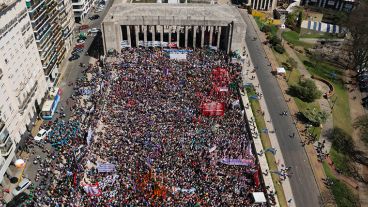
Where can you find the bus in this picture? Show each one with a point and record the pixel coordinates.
(50, 105)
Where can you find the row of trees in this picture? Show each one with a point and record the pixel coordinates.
(273, 39)
(357, 24)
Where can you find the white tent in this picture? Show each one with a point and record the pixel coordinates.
(281, 71)
(259, 197)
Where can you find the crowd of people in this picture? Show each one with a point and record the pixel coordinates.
(136, 136)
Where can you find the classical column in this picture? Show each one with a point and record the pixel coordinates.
(153, 35)
(320, 3)
(137, 35)
(119, 35)
(325, 3)
(194, 36)
(218, 37)
(269, 4)
(129, 38)
(229, 35)
(170, 34)
(177, 36)
(186, 36)
(211, 33)
(341, 5)
(337, 5)
(162, 35)
(144, 35)
(203, 28)
(262, 4)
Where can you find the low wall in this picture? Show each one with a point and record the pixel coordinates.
(331, 92)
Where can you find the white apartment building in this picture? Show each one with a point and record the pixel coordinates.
(22, 80)
(81, 8)
(67, 22)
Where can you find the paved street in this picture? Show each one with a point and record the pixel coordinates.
(303, 184)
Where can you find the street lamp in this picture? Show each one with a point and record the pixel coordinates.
(20, 164)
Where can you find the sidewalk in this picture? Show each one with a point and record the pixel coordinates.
(246, 76)
(316, 166)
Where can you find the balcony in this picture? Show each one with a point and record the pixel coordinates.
(33, 5)
(36, 15)
(39, 38)
(6, 7)
(2, 125)
(6, 144)
(28, 98)
(4, 137)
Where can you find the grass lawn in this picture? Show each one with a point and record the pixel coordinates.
(319, 36)
(343, 195)
(261, 124)
(341, 111)
(293, 38)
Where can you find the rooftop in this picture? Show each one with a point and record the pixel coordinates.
(205, 12)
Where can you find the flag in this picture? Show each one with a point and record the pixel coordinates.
(89, 136)
(92, 190)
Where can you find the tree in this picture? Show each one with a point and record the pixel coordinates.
(266, 28)
(316, 117)
(278, 48)
(291, 63)
(361, 123)
(291, 20)
(341, 141)
(274, 40)
(306, 90)
(358, 28)
(300, 20)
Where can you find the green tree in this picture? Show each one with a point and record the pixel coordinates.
(361, 123)
(341, 141)
(291, 20)
(306, 90)
(316, 117)
(274, 40)
(291, 63)
(358, 28)
(266, 28)
(278, 48)
(300, 20)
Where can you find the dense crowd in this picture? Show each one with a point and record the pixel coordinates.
(141, 114)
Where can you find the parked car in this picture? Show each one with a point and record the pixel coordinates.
(74, 57)
(42, 134)
(96, 16)
(80, 41)
(83, 27)
(93, 30)
(22, 186)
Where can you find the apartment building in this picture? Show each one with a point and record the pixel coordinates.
(339, 5)
(52, 26)
(22, 81)
(81, 8)
(66, 19)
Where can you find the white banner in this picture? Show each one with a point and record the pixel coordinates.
(106, 167)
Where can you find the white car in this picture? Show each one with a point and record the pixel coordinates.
(22, 186)
(94, 30)
(42, 134)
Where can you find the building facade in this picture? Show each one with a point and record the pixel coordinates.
(22, 80)
(66, 19)
(81, 8)
(48, 18)
(173, 25)
(339, 5)
(264, 5)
